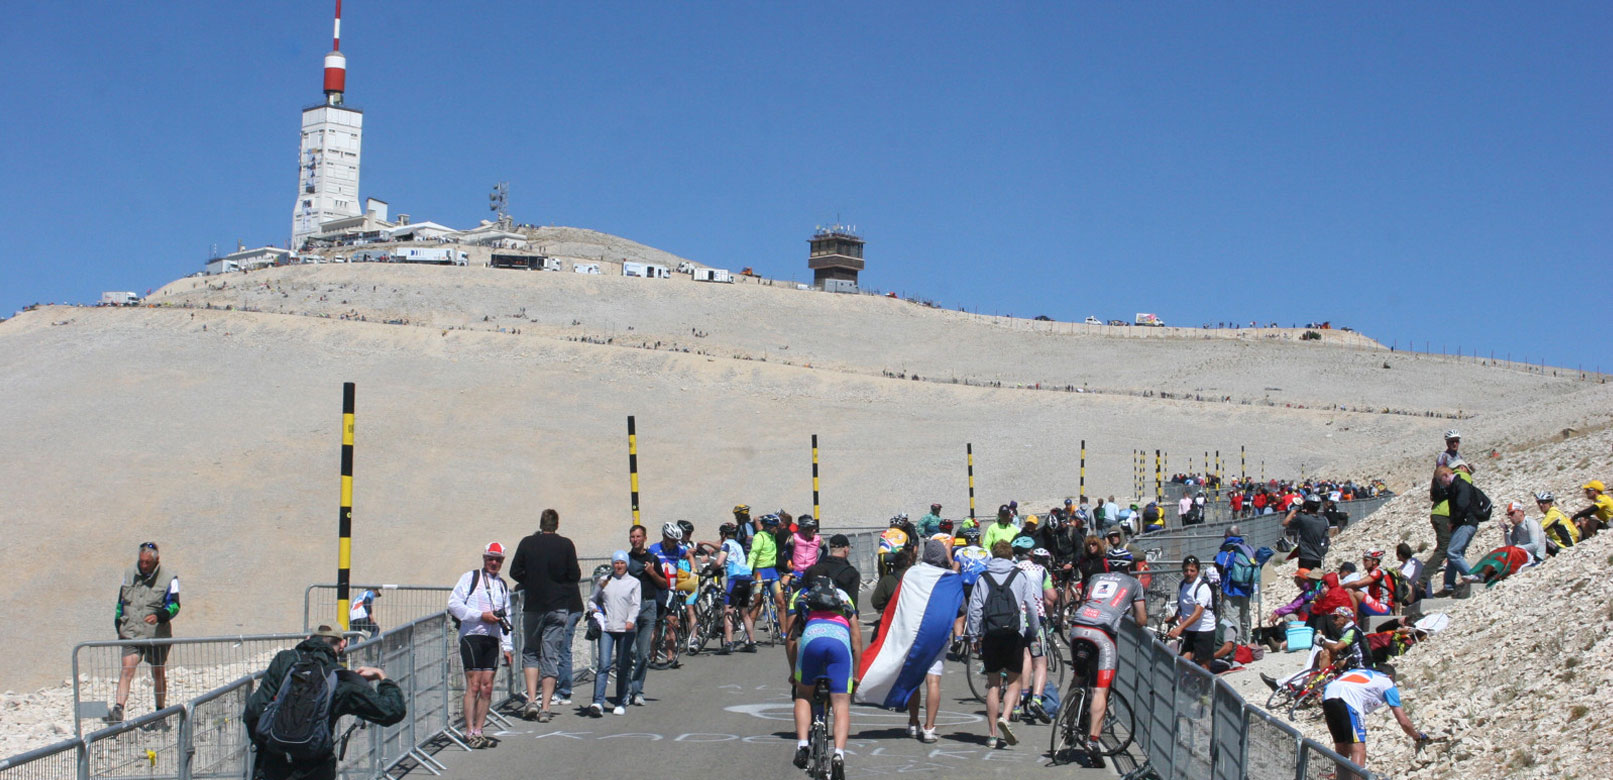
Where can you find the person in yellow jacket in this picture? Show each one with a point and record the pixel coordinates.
(1002, 530)
(1560, 531)
(1599, 514)
(1440, 516)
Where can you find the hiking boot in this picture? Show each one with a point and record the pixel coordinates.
(1271, 682)
(1008, 733)
(115, 715)
(800, 760)
(530, 711)
(837, 767)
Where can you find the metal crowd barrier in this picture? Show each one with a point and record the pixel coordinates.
(398, 604)
(1190, 725)
(192, 665)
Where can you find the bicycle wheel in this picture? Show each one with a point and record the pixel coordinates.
(1119, 725)
(775, 632)
(1056, 665)
(1280, 698)
(1069, 728)
(975, 675)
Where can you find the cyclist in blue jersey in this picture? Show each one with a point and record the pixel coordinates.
(738, 576)
(830, 641)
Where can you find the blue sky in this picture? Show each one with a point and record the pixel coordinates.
(1437, 175)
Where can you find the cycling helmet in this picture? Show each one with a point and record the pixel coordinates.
(688, 529)
(898, 521)
(1041, 552)
(971, 533)
(1452, 434)
(1376, 555)
(1023, 544)
(945, 525)
(959, 541)
(672, 531)
(1344, 612)
(1119, 559)
(805, 522)
(822, 596)
(742, 509)
(727, 529)
(602, 571)
(1545, 497)
(769, 520)
(1312, 499)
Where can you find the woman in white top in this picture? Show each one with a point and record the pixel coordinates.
(614, 610)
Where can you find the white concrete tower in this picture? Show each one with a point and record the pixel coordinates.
(332, 134)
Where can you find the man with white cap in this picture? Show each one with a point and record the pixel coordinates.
(481, 604)
(1520, 530)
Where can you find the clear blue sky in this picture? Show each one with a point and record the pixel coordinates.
(1435, 174)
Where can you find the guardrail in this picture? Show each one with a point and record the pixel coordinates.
(1191, 725)
(397, 605)
(192, 666)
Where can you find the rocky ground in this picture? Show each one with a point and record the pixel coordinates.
(1524, 674)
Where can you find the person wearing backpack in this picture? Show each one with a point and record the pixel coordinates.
(1468, 507)
(1239, 575)
(480, 607)
(1002, 618)
(291, 716)
(1195, 614)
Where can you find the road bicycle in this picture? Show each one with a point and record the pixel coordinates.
(709, 613)
(974, 673)
(1304, 691)
(820, 738)
(1073, 722)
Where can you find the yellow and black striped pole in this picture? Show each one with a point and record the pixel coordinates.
(344, 520)
(817, 510)
(1243, 464)
(969, 451)
(1159, 479)
(1218, 475)
(632, 466)
(1083, 488)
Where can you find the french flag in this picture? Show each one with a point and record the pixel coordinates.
(915, 628)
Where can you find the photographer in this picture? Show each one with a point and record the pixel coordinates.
(277, 730)
(481, 604)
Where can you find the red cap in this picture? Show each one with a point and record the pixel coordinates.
(494, 550)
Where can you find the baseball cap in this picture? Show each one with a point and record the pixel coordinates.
(1114, 532)
(493, 550)
(328, 632)
(1344, 612)
(839, 540)
(619, 555)
(1595, 485)
(1513, 506)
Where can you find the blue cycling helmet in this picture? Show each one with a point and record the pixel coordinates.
(769, 520)
(1023, 543)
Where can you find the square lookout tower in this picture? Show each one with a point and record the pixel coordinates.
(836, 256)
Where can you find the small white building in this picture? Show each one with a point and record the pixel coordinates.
(419, 231)
(646, 270)
(491, 234)
(719, 275)
(585, 268)
(248, 259)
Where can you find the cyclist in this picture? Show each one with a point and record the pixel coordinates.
(1351, 650)
(1003, 529)
(736, 589)
(699, 559)
(971, 559)
(1035, 656)
(930, 524)
(1354, 695)
(1110, 596)
(672, 555)
(744, 526)
(763, 563)
(830, 642)
(804, 548)
(1560, 531)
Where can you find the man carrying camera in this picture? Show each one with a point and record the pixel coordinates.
(481, 604)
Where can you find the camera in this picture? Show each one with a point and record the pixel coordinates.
(503, 616)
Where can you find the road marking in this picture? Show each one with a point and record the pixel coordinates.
(785, 711)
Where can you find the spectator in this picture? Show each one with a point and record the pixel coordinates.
(1411, 570)
(1111, 512)
(362, 616)
(1600, 512)
(936, 554)
(1371, 590)
(1000, 635)
(838, 568)
(644, 566)
(1195, 614)
(148, 600)
(1439, 515)
(546, 567)
(1235, 554)
(614, 610)
(1348, 700)
(1313, 531)
(1560, 531)
(1346, 644)
(1184, 506)
(1519, 530)
(481, 603)
(1153, 518)
(1462, 499)
(1309, 582)
(383, 705)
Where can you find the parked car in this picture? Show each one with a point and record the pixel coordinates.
(1121, 323)
(1090, 320)
(1043, 318)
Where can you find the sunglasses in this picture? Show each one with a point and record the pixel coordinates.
(152, 546)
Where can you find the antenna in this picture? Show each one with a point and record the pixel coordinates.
(335, 63)
(498, 202)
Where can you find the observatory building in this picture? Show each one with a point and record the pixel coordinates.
(332, 133)
(836, 258)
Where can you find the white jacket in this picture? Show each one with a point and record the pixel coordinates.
(491, 595)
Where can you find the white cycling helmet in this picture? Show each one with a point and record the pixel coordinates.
(672, 531)
(1452, 434)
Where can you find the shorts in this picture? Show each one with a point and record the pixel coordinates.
(738, 592)
(1036, 646)
(478, 652)
(767, 574)
(1371, 606)
(1106, 660)
(545, 636)
(824, 657)
(1201, 644)
(1002, 653)
(1343, 722)
(156, 655)
(937, 667)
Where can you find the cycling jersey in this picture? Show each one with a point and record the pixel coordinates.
(825, 646)
(1038, 575)
(763, 553)
(734, 565)
(1110, 597)
(971, 561)
(997, 532)
(1559, 529)
(1355, 654)
(1364, 690)
(804, 551)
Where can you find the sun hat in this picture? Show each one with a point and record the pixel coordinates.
(493, 550)
(1595, 485)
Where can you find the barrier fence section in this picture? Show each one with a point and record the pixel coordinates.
(1190, 725)
(191, 667)
(396, 605)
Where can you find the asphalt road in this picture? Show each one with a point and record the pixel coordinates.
(721, 717)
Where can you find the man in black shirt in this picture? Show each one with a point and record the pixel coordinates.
(644, 565)
(837, 568)
(1313, 533)
(546, 566)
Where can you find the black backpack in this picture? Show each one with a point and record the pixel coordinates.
(1000, 612)
(298, 721)
(476, 579)
(1482, 507)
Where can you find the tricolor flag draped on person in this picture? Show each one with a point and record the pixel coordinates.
(914, 630)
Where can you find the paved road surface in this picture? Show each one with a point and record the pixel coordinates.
(722, 717)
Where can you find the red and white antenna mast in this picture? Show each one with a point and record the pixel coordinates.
(336, 63)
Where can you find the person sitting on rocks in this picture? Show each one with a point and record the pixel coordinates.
(1600, 512)
(1522, 531)
(1370, 590)
(1349, 648)
(1309, 582)
(1560, 531)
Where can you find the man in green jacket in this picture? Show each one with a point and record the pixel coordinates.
(382, 704)
(148, 598)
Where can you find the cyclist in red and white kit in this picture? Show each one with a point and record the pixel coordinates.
(1109, 597)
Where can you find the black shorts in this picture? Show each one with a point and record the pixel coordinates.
(1201, 644)
(1343, 723)
(478, 652)
(156, 655)
(1002, 653)
(739, 589)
